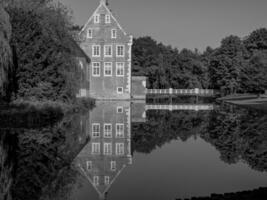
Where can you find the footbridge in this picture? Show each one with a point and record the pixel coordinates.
(182, 92)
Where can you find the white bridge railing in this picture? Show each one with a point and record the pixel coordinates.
(196, 91)
(181, 107)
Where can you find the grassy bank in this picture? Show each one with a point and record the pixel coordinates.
(81, 104)
(247, 100)
(236, 97)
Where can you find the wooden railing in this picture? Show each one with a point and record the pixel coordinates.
(189, 92)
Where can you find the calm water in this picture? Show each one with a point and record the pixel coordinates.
(123, 150)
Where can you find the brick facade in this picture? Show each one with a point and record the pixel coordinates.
(109, 75)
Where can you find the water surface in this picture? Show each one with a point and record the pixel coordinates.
(126, 150)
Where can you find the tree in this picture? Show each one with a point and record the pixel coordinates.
(255, 74)
(257, 40)
(46, 63)
(165, 67)
(225, 65)
(5, 53)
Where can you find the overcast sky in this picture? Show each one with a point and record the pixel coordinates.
(181, 23)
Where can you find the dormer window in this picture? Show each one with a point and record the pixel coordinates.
(113, 33)
(89, 33)
(96, 19)
(107, 19)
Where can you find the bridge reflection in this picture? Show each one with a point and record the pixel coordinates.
(181, 107)
(109, 151)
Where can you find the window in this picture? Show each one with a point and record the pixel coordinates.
(96, 19)
(81, 64)
(95, 130)
(107, 130)
(120, 69)
(96, 69)
(107, 148)
(113, 33)
(113, 165)
(96, 50)
(119, 109)
(108, 50)
(107, 19)
(107, 69)
(120, 90)
(89, 33)
(119, 148)
(120, 130)
(106, 180)
(95, 148)
(120, 50)
(89, 165)
(96, 180)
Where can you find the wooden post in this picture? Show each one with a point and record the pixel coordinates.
(171, 90)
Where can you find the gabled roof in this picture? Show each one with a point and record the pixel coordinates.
(102, 3)
(77, 50)
(101, 189)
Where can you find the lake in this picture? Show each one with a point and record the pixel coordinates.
(135, 150)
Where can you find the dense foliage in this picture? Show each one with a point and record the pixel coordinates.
(166, 67)
(236, 66)
(5, 53)
(45, 58)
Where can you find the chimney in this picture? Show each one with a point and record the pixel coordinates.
(104, 2)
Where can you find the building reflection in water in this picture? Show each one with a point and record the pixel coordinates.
(109, 151)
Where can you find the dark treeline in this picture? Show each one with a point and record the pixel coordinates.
(238, 65)
(42, 51)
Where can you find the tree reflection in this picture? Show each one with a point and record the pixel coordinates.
(38, 157)
(8, 143)
(239, 134)
(164, 126)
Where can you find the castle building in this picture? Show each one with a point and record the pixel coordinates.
(110, 49)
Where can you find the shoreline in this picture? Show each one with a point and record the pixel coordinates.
(256, 194)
